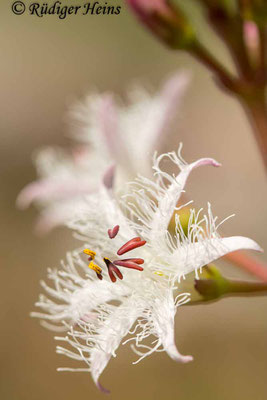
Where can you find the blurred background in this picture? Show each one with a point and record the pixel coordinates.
(46, 64)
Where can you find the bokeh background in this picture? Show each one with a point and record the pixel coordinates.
(47, 63)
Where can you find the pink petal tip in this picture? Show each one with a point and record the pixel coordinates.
(102, 389)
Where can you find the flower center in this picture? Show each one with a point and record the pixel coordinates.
(112, 266)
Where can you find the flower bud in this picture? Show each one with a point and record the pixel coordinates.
(165, 20)
(184, 217)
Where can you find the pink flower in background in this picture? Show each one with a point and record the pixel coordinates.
(129, 134)
(251, 35)
(162, 18)
(64, 178)
(107, 134)
(148, 7)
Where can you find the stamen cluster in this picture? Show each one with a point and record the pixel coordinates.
(113, 270)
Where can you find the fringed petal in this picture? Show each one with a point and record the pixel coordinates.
(193, 256)
(152, 203)
(170, 197)
(163, 313)
(169, 100)
(47, 190)
(109, 336)
(157, 322)
(71, 298)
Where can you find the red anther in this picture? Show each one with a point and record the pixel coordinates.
(134, 260)
(113, 232)
(130, 245)
(113, 269)
(111, 275)
(128, 264)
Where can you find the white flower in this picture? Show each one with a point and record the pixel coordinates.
(98, 313)
(111, 134)
(65, 177)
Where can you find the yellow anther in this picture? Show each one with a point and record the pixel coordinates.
(95, 267)
(159, 273)
(90, 253)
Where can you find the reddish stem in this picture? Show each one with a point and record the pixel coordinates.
(248, 263)
(257, 114)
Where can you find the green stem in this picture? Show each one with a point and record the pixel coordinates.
(263, 55)
(241, 288)
(198, 51)
(217, 286)
(251, 95)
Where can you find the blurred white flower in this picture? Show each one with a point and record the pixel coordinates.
(111, 134)
(98, 313)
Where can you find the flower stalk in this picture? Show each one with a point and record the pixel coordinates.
(248, 263)
(242, 27)
(256, 110)
(214, 286)
(166, 21)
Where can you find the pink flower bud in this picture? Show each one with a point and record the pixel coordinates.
(146, 7)
(251, 35)
(164, 19)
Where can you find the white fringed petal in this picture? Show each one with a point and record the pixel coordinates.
(51, 190)
(113, 139)
(191, 257)
(168, 201)
(53, 216)
(33, 192)
(152, 203)
(171, 97)
(78, 297)
(163, 313)
(110, 132)
(109, 337)
(146, 122)
(129, 134)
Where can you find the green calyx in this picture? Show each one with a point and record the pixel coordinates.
(213, 285)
